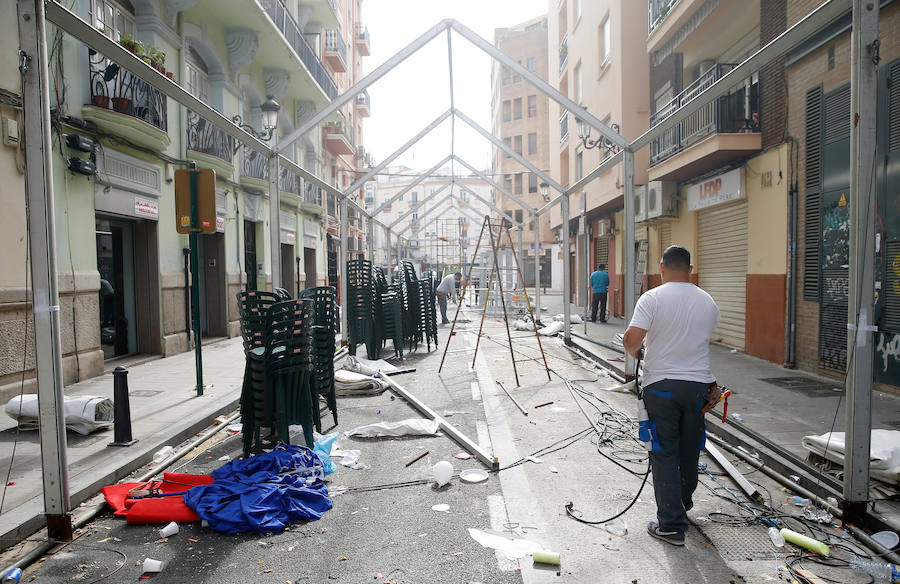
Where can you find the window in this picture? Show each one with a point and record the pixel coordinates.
(415, 197)
(508, 142)
(400, 198)
(505, 74)
(517, 215)
(518, 189)
(532, 183)
(507, 112)
(517, 145)
(415, 217)
(531, 64)
(532, 143)
(507, 182)
(197, 76)
(605, 43)
(517, 108)
(113, 19)
(516, 77)
(464, 196)
(579, 165)
(413, 243)
(577, 79)
(532, 106)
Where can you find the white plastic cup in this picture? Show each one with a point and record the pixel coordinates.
(151, 565)
(169, 530)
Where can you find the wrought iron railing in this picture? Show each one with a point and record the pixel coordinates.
(116, 89)
(341, 128)
(657, 11)
(254, 164)
(289, 182)
(563, 52)
(737, 112)
(363, 99)
(362, 33)
(564, 126)
(204, 137)
(312, 194)
(291, 31)
(334, 42)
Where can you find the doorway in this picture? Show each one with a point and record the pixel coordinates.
(115, 262)
(212, 285)
(250, 254)
(309, 266)
(287, 269)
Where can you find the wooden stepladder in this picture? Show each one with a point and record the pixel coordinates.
(496, 232)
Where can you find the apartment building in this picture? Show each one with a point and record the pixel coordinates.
(520, 116)
(600, 62)
(817, 102)
(123, 269)
(440, 216)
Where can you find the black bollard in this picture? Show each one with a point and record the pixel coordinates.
(121, 411)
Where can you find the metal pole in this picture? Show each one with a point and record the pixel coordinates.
(630, 295)
(194, 239)
(863, 89)
(389, 261)
(537, 268)
(567, 309)
(370, 236)
(521, 255)
(42, 240)
(275, 222)
(342, 270)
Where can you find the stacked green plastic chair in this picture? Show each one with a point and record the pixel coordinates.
(359, 303)
(412, 309)
(322, 298)
(392, 318)
(429, 312)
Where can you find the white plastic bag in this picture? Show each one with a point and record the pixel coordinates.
(83, 414)
(410, 427)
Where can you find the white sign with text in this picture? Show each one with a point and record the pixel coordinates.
(726, 187)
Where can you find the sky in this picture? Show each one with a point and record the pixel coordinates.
(411, 96)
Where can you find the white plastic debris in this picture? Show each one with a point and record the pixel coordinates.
(151, 565)
(552, 329)
(573, 318)
(441, 507)
(521, 325)
(83, 414)
(169, 530)
(512, 547)
(348, 458)
(410, 427)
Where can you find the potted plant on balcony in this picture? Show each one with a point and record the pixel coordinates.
(157, 59)
(129, 42)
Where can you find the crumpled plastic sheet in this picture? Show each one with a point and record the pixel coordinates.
(83, 413)
(573, 318)
(348, 458)
(263, 493)
(552, 329)
(512, 547)
(410, 427)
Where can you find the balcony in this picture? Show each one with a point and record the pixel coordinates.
(414, 225)
(335, 51)
(212, 146)
(564, 126)
(254, 169)
(126, 105)
(287, 25)
(361, 39)
(657, 11)
(362, 104)
(718, 133)
(563, 53)
(289, 182)
(339, 138)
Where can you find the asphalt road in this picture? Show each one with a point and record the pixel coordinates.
(391, 534)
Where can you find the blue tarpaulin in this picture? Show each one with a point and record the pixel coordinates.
(263, 493)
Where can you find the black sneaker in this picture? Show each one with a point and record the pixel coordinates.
(672, 537)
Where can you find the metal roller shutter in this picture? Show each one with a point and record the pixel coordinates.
(665, 236)
(722, 266)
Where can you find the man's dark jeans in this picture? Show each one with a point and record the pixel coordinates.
(675, 407)
(598, 297)
(442, 304)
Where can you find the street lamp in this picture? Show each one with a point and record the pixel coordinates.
(270, 109)
(584, 134)
(545, 192)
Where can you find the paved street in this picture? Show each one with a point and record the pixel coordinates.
(378, 527)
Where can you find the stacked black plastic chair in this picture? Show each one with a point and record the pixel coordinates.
(359, 301)
(413, 324)
(392, 319)
(322, 298)
(429, 311)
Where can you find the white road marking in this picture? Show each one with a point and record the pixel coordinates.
(499, 518)
(476, 391)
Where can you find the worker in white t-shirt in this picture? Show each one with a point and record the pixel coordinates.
(445, 290)
(674, 322)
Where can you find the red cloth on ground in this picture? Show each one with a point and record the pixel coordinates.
(155, 509)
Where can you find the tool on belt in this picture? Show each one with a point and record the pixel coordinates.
(646, 429)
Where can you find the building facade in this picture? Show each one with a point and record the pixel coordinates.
(599, 61)
(123, 270)
(520, 116)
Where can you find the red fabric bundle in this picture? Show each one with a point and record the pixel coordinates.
(155, 509)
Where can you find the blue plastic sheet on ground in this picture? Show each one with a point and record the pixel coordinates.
(263, 493)
(322, 449)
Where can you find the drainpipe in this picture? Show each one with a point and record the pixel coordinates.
(237, 240)
(187, 293)
(790, 324)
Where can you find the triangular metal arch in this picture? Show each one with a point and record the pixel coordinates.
(418, 179)
(421, 204)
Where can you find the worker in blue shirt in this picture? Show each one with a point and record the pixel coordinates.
(599, 284)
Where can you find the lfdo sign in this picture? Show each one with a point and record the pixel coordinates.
(724, 188)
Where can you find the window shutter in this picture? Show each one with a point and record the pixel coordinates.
(894, 110)
(812, 225)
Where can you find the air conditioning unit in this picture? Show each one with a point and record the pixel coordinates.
(603, 228)
(662, 199)
(640, 203)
